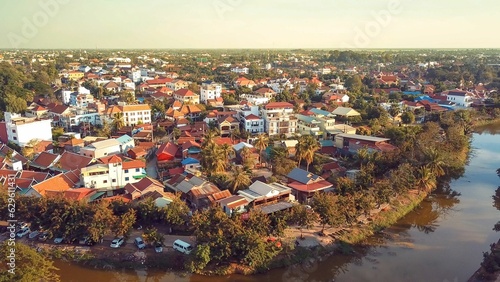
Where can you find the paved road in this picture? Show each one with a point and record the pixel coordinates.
(151, 167)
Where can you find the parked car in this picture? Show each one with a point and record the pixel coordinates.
(117, 242)
(43, 237)
(158, 248)
(23, 232)
(139, 243)
(22, 225)
(58, 240)
(34, 234)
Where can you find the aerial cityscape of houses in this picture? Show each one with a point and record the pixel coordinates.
(267, 131)
(142, 96)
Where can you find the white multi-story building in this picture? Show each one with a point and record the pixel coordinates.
(21, 130)
(108, 147)
(210, 91)
(132, 114)
(250, 120)
(459, 97)
(255, 99)
(80, 100)
(135, 76)
(115, 174)
(78, 115)
(240, 70)
(66, 96)
(279, 118)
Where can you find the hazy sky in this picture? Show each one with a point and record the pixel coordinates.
(249, 24)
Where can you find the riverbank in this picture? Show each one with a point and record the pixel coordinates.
(482, 274)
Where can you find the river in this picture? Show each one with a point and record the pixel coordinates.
(442, 240)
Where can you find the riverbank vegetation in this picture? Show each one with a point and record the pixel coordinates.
(28, 265)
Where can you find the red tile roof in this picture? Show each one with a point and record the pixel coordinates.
(44, 160)
(37, 176)
(167, 148)
(316, 186)
(144, 184)
(184, 92)
(277, 105)
(252, 117)
(113, 159)
(71, 161)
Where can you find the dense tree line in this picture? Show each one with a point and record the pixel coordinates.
(74, 220)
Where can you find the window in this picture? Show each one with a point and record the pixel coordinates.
(13, 131)
(114, 180)
(126, 171)
(104, 181)
(137, 170)
(126, 178)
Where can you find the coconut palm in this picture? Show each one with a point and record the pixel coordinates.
(306, 148)
(246, 157)
(434, 161)
(261, 144)
(118, 121)
(226, 151)
(238, 179)
(426, 180)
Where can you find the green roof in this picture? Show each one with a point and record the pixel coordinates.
(96, 196)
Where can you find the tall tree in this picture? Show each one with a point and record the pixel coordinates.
(434, 161)
(261, 144)
(29, 264)
(304, 217)
(118, 121)
(238, 179)
(306, 148)
(324, 205)
(426, 180)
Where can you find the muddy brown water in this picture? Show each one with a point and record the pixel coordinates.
(442, 240)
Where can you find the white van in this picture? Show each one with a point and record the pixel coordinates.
(182, 247)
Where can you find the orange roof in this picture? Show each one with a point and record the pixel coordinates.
(184, 92)
(133, 108)
(274, 105)
(113, 159)
(133, 164)
(176, 104)
(59, 182)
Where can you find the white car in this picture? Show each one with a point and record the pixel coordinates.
(23, 232)
(139, 243)
(58, 240)
(117, 242)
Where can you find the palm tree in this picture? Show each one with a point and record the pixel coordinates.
(246, 157)
(426, 180)
(227, 151)
(238, 179)
(118, 121)
(306, 148)
(434, 161)
(261, 144)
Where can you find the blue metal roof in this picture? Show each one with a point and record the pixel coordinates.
(301, 175)
(320, 112)
(188, 161)
(124, 139)
(326, 143)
